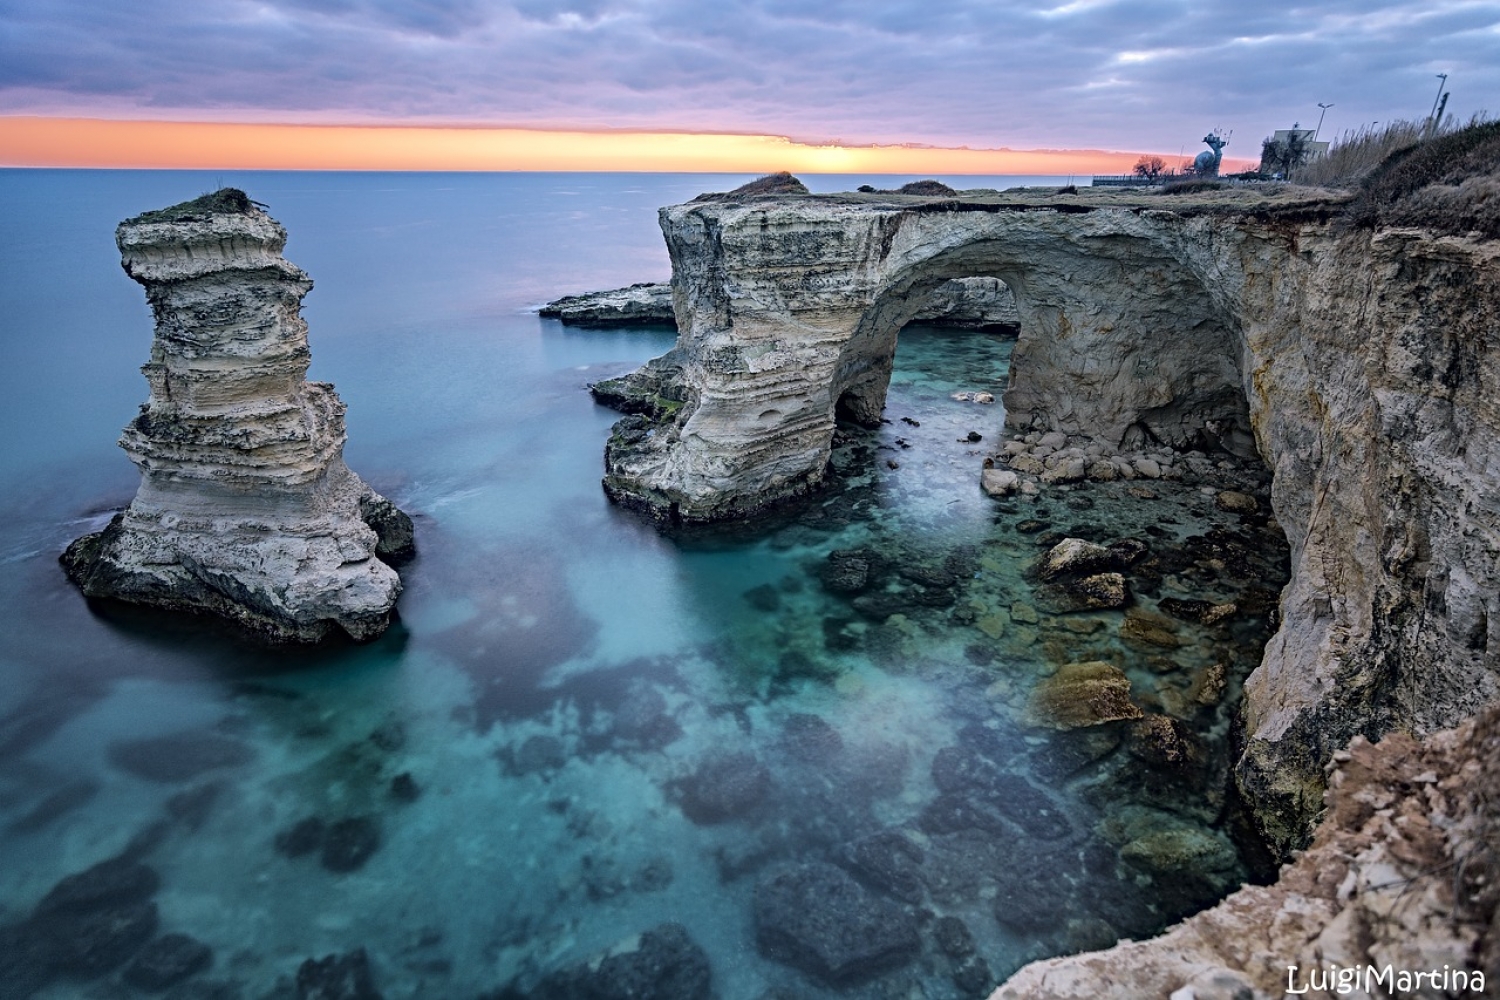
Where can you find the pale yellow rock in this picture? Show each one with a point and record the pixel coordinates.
(1080, 695)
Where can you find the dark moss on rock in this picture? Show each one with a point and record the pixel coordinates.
(224, 201)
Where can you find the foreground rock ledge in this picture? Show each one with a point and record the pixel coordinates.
(246, 509)
(1404, 872)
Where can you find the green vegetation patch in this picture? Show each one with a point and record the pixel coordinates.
(225, 201)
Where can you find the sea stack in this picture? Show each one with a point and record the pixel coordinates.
(246, 509)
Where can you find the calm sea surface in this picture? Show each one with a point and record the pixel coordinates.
(602, 728)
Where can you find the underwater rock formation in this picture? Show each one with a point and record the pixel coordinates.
(1357, 362)
(246, 509)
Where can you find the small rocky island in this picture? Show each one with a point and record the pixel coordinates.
(246, 509)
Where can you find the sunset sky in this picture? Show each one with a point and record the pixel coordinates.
(775, 82)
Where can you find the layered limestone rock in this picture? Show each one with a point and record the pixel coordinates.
(245, 509)
(963, 302)
(1402, 874)
(1360, 364)
(646, 303)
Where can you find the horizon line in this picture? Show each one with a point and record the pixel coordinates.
(41, 141)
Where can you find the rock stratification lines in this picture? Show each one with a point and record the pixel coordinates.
(246, 508)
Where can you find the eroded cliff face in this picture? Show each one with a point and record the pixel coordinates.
(246, 508)
(1402, 873)
(1360, 365)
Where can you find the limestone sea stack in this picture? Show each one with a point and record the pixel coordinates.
(246, 509)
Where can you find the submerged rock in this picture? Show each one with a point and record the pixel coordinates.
(1076, 555)
(724, 787)
(246, 509)
(890, 862)
(817, 918)
(109, 883)
(337, 977)
(302, 837)
(848, 571)
(1082, 694)
(167, 961)
(179, 757)
(664, 963)
(95, 942)
(348, 843)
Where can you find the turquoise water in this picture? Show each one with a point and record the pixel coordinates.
(607, 728)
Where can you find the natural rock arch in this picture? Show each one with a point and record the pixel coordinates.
(785, 310)
(1122, 343)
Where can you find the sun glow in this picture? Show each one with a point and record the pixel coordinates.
(86, 142)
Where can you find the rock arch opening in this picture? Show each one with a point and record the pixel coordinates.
(1118, 345)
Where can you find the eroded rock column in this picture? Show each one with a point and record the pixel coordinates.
(246, 509)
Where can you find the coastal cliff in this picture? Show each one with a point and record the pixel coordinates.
(246, 509)
(1400, 880)
(1358, 362)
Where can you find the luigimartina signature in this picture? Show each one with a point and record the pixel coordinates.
(1342, 981)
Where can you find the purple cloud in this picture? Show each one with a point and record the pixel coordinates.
(1148, 74)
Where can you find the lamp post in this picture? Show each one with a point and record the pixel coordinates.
(1442, 81)
(1325, 108)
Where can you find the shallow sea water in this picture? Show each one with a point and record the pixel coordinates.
(607, 727)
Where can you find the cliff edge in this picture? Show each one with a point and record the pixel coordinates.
(246, 509)
(1397, 896)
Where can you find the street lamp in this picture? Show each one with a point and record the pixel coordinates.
(1442, 81)
(1325, 108)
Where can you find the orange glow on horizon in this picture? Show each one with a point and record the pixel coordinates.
(93, 142)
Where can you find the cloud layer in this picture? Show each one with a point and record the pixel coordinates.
(1149, 74)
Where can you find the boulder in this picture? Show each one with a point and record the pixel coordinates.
(1082, 694)
(179, 757)
(115, 882)
(890, 862)
(1028, 464)
(999, 482)
(724, 787)
(1236, 502)
(167, 961)
(818, 919)
(337, 977)
(348, 843)
(847, 571)
(1078, 556)
(664, 963)
(1101, 590)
